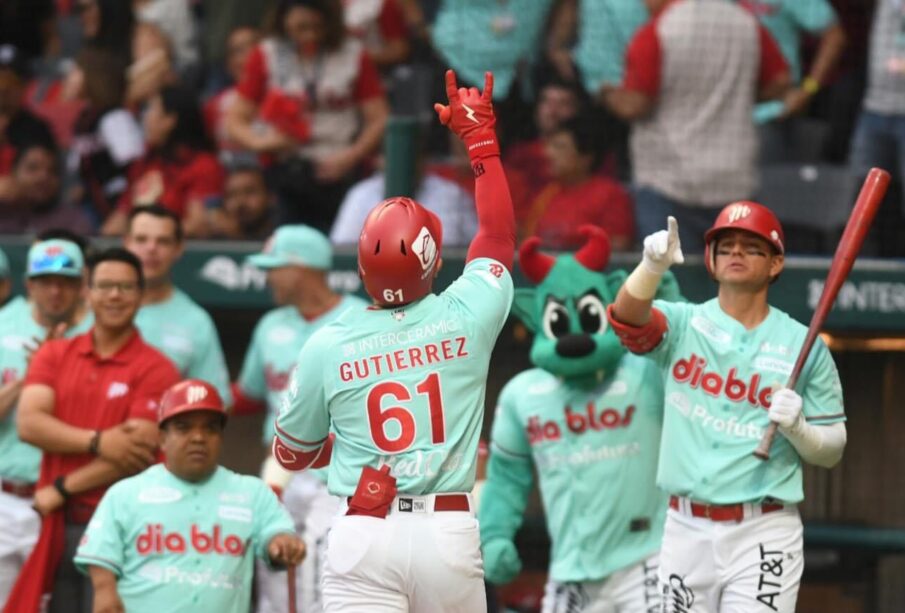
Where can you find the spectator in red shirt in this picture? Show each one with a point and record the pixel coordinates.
(557, 101)
(320, 93)
(577, 194)
(179, 170)
(381, 26)
(239, 45)
(17, 125)
(90, 403)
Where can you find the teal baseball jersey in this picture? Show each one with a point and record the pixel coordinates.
(184, 332)
(787, 19)
(718, 379)
(274, 349)
(180, 546)
(596, 453)
(13, 308)
(18, 329)
(402, 387)
(605, 28)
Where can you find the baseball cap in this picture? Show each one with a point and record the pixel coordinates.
(12, 59)
(4, 265)
(54, 257)
(295, 245)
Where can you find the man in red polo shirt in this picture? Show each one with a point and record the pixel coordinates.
(90, 403)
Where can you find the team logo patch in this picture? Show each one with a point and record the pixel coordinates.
(407, 505)
(196, 393)
(425, 247)
(738, 211)
(234, 513)
(710, 330)
(159, 495)
(117, 389)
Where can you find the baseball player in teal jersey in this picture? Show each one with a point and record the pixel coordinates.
(733, 536)
(401, 385)
(588, 418)
(182, 536)
(54, 281)
(297, 259)
(168, 319)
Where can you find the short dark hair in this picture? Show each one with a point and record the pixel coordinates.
(330, 10)
(116, 254)
(37, 144)
(160, 212)
(586, 135)
(67, 235)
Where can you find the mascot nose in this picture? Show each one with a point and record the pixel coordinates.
(575, 345)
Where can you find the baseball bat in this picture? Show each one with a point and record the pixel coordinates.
(872, 192)
(290, 584)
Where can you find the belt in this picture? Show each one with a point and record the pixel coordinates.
(429, 503)
(18, 488)
(721, 512)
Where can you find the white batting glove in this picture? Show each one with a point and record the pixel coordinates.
(662, 249)
(785, 408)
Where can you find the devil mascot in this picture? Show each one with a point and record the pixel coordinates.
(588, 418)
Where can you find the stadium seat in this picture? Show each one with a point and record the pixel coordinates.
(813, 198)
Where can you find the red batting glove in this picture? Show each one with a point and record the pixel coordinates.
(470, 116)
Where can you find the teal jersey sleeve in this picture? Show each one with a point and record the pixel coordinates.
(251, 377)
(271, 519)
(103, 543)
(677, 316)
(207, 362)
(304, 420)
(813, 16)
(822, 390)
(508, 435)
(490, 312)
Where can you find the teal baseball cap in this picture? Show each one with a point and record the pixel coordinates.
(54, 257)
(4, 265)
(295, 245)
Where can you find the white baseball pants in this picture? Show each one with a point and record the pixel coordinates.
(749, 566)
(631, 590)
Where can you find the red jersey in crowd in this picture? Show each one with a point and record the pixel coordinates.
(97, 393)
(174, 183)
(558, 211)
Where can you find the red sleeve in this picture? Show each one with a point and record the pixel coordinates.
(44, 366)
(643, 61)
(496, 220)
(243, 404)
(391, 21)
(642, 339)
(211, 112)
(253, 84)
(159, 376)
(368, 84)
(204, 178)
(772, 62)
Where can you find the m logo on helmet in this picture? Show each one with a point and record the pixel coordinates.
(195, 394)
(738, 211)
(425, 248)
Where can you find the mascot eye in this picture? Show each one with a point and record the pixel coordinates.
(592, 314)
(556, 320)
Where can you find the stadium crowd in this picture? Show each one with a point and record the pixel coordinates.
(164, 121)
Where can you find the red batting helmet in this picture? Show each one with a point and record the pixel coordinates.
(743, 215)
(399, 251)
(190, 395)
